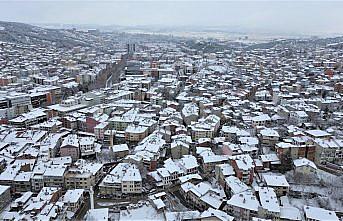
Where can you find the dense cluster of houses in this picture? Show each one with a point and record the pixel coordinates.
(213, 132)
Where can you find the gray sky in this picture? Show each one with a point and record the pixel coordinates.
(264, 16)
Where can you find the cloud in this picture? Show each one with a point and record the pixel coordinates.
(278, 16)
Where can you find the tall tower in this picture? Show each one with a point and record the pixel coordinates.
(91, 194)
(131, 48)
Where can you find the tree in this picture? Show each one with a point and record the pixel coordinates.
(302, 178)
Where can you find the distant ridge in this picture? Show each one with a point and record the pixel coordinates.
(28, 34)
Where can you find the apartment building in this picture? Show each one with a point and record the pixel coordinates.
(54, 176)
(124, 179)
(243, 206)
(277, 182)
(73, 200)
(83, 175)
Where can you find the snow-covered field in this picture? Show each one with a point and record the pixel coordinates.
(143, 212)
(324, 190)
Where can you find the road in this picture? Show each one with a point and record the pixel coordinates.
(83, 210)
(116, 72)
(329, 170)
(109, 75)
(109, 82)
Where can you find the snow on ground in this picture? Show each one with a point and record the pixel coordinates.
(174, 204)
(299, 203)
(310, 189)
(323, 202)
(325, 190)
(321, 174)
(143, 212)
(106, 204)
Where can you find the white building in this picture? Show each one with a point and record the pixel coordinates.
(125, 178)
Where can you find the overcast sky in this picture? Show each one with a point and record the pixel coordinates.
(279, 16)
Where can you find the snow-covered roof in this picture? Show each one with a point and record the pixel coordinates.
(33, 114)
(209, 157)
(317, 133)
(290, 213)
(213, 200)
(133, 129)
(275, 180)
(100, 214)
(120, 147)
(188, 162)
(244, 161)
(246, 200)
(226, 169)
(319, 214)
(221, 215)
(268, 199)
(190, 109)
(123, 172)
(236, 185)
(251, 141)
(268, 132)
(189, 177)
(272, 157)
(144, 212)
(304, 162)
(159, 203)
(55, 171)
(262, 117)
(73, 196)
(3, 189)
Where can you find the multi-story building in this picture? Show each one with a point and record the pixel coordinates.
(244, 167)
(277, 182)
(135, 133)
(243, 206)
(83, 175)
(73, 200)
(54, 176)
(124, 179)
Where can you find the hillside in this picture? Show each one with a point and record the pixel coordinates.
(28, 34)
